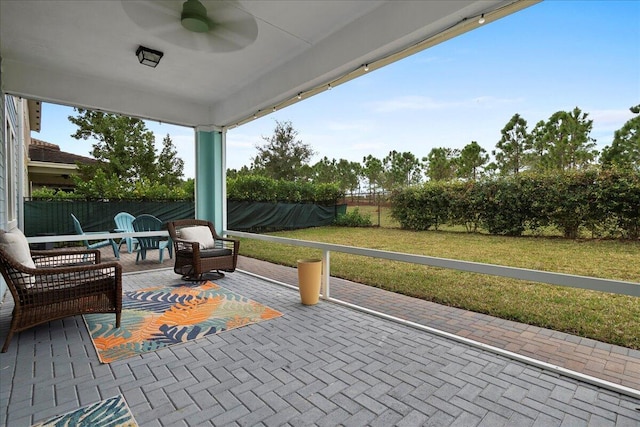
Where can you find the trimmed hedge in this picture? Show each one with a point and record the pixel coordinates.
(262, 189)
(606, 203)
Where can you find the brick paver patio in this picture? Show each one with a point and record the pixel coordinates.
(612, 363)
(317, 365)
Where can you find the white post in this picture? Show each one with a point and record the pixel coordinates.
(326, 270)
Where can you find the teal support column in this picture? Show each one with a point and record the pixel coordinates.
(211, 188)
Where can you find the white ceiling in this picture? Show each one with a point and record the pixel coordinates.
(262, 53)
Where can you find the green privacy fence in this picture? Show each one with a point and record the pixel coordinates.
(54, 216)
(263, 216)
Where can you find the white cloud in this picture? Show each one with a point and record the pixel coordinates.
(242, 140)
(413, 102)
(610, 119)
(351, 125)
(430, 59)
(404, 103)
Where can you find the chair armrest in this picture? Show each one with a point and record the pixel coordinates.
(227, 239)
(186, 245)
(65, 257)
(79, 272)
(235, 242)
(181, 244)
(31, 282)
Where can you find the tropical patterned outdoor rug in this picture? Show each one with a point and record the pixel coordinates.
(112, 412)
(156, 318)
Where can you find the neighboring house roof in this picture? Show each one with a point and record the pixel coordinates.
(48, 166)
(42, 151)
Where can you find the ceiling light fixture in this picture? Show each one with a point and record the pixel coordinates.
(481, 20)
(366, 67)
(148, 56)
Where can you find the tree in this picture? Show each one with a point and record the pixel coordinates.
(243, 171)
(124, 147)
(170, 166)
(441, 165)
(624, 152)
(511, 149)
(349, 174)
(282, 157)
(563, 142)
(472, 158)
(325, 171)
(373, 172)
(401, 170)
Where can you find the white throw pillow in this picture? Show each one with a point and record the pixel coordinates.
(199, 233)
(16, 245)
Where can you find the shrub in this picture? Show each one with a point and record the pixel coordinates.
(419, 208)
(407, 210)
(465, 204)
(504, 208)
(618, 202)
(258, 188)
(52, 194)
(353, 219)
(606, 202)
(102, 187)
(327, 194)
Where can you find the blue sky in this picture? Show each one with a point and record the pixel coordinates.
(552, 56)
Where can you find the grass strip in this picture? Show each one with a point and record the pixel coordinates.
(601, 316)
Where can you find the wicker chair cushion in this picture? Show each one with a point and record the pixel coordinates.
(200, 234)
(206, 253)
(210, 253)
(15, 244)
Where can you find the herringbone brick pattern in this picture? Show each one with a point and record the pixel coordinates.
(323, 365)
(615, 364)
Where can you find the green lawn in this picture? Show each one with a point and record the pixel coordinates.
(605, 317)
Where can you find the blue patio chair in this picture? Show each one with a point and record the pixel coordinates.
(98, 244)
(146, 222)
(124, 224)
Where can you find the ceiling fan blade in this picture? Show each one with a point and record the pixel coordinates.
(243, 32)
(151, 14)
(232, 28)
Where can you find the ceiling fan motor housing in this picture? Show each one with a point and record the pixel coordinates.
(194, 16)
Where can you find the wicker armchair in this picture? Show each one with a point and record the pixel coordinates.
(63, 283)
(199, 251)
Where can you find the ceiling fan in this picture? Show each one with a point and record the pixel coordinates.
(209, 26)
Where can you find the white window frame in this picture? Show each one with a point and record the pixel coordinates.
(11, 184)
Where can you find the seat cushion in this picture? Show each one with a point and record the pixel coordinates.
(199, 233)
(15, 244)
(210, 253)
(207, 253)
